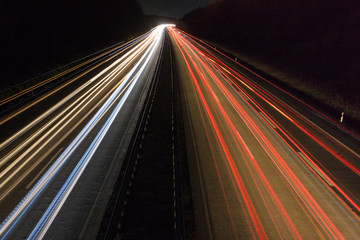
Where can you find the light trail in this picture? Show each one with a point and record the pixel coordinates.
(78, 76)
(270, 162)
(61, 121)
(269, 82)
(302, 123)
(113, 50)
(127, 57)
(249, 205)
(218, 87)
(250, 156)
(46, 220)
(138, 58)
(313, 133)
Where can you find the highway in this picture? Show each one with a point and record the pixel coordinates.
(61, 152)
(263, 163)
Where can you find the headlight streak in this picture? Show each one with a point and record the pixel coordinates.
(63, 101)
(40, 118)
(309, 202)
(4, 101)
(126, 85)
(38, 143)
(88, 69)
(50, 214)
(78, 104)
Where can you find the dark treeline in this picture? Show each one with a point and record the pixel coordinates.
(39, 35)
(318, 40)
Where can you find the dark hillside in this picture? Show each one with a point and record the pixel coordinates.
(39, 35)
(315, 42)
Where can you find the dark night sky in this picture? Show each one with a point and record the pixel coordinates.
(170, 8)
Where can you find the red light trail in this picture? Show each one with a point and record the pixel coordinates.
(220, 91)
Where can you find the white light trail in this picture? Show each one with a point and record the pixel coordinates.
(123, 89)
(50, 214)
(47, 134)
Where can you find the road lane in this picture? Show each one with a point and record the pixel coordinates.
(86, 115)
(256, 185)
(84, 100)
